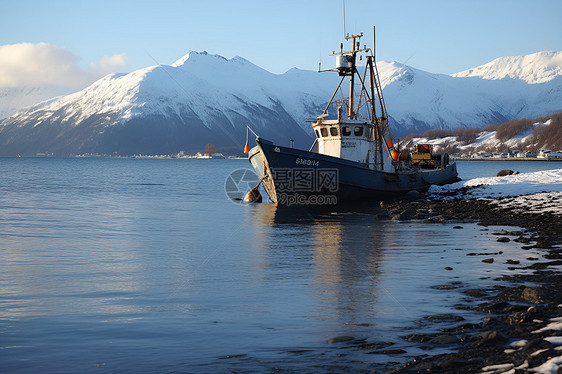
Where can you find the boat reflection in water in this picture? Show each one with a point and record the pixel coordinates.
(339, 254)
(340, 271)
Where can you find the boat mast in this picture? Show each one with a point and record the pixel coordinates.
(350, 114)
(347, 67)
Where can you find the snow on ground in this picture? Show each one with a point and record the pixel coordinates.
(549, 367)
(519, 343)
(497, 368)
(535, 192)
(554, 340)
(555, 324)
(484, 142)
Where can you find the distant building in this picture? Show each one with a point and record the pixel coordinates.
(525, 154)
(543, 153)
(481, 155)
(549, 155)
(501, 155)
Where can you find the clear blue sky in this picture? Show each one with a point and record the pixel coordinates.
(436, 36)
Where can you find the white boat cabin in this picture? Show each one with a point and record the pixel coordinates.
(352, 140)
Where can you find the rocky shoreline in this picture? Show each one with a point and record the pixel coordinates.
(515, 336)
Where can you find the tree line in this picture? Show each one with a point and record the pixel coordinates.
(543, 137)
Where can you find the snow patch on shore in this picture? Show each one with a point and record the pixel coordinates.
(536, 192)
(549, 367)
(554, 340)
(555, 324)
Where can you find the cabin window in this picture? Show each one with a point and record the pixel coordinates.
(324, 132)
(334, 131)
(317, 133)
(346, 130)
(358, 131)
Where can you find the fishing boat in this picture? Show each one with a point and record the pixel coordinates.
(352, 158)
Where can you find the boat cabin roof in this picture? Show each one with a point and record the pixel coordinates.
(335, 128)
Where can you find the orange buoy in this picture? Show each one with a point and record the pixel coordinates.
(399, 156)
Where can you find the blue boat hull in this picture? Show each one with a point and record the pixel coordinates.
(296, 177)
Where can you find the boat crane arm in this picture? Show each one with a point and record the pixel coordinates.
(333, 95)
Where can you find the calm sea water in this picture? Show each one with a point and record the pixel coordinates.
(143, 265)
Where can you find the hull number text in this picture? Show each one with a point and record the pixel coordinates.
(302, 161)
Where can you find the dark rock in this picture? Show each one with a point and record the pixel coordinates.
(544, 265)
(522, 317)
(339, 339)
(496, 307)
(522, 239)
(445, 287)
(503, 173)
(373, 345)
(532, 295)
(408, 212)
(437, 219)
(490, 338)
(512, 262)
(415, 368)
(488, 260)
(513, 294)
(452, 363)
(418, 338)
(464, 328)
(504, 239)
(474, 293)
(393, 351)
(445, 339)
(444, 317)
(536, 344)
(448, 268)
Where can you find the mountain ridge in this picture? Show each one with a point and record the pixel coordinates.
(203, 98)
(539, 67)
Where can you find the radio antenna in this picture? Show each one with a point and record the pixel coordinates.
(374, 44)
(344, 33)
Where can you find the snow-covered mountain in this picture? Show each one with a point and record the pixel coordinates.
(534, 68)
(505, 89)
(14, 99)
(203, 98)
(199, 99)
